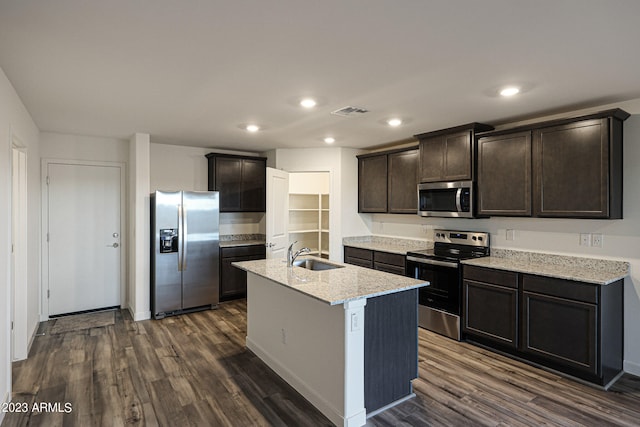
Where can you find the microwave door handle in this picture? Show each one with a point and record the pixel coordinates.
(458, 197)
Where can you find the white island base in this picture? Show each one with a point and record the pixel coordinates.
(318, 348)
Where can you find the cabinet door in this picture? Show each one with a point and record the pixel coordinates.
(491, 312)
(504, 175)
(561, 331)
(457, 157)
(571, 170)
(228, 181)
(446, 157)
(233, 281)
(254, 184)
(403, 182)
(432, 159)
(372, 184)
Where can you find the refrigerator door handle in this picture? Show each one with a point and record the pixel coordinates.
(180, 238)
(185, 239)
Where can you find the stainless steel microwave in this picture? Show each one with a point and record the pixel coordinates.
(446, 199)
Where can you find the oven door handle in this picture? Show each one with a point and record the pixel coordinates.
(433, 262)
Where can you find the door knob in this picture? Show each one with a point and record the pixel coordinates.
(115, 245)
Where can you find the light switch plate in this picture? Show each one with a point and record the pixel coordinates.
(510, 234)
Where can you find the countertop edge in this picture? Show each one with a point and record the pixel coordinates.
(542, 270)
(337, 301)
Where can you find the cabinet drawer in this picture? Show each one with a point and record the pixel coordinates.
(241, 251)
(394, 269)
(387, 258)
(359, 262)
(577, 291)
(489, 275)
(364, 254)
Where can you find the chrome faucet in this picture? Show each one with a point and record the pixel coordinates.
(291, 257)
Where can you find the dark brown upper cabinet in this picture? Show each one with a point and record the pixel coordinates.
(578, 169)
(448, 154)
(388, 181)
(504, 175)
(568, 168)
(372, 183)
(402, 182)
(241, 181)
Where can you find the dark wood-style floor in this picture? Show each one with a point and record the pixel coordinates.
(195, 370)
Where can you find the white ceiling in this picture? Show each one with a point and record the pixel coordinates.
(190, 72)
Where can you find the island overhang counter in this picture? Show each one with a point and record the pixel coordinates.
(344, 338)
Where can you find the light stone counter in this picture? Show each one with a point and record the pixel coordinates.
(387, 244)
(588, 270)
(235, 240)
(335, 286)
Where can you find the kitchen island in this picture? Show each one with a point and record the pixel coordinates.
(345, 338)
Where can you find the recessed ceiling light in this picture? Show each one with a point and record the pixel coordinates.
(510, 91)
(329, 140)
(252, 128)
(308, 103)
(395, 122)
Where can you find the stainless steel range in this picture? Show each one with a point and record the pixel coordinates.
(440, 304)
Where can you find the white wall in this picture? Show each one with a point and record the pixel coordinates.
(621, 238)
(176, 167)
(342, 216)
(80, 147)
(15, 121)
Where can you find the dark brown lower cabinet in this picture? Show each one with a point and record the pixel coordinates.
(382, 261)
(569, 326)
(359, 257)
(490, 304)
(233, 281)
(574, 327)
(391, 263)
(390, 348)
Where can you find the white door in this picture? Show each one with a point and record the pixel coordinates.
(277, 216)
(84, 237)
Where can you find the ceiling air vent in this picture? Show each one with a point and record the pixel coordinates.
(349, 111)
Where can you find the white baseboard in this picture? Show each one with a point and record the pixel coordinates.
(141, 315)
(632, 368)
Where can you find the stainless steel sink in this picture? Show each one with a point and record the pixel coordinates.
(312, 264)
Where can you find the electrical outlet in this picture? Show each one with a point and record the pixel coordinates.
(510, 235)
(596, 240)
(355, 322)
(585, 239)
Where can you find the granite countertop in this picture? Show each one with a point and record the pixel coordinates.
(588, 270)
(335, 286)
(234, 240)
(386, 244)
(236, 243)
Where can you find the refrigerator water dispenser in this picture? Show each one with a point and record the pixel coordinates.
(168, 240)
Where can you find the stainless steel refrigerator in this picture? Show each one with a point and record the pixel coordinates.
(184, 251)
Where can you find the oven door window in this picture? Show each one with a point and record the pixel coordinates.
(444, 291)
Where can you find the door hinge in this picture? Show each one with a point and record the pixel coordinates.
(12, 325)
(47, 180)
(48, 293)
(47, 237)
